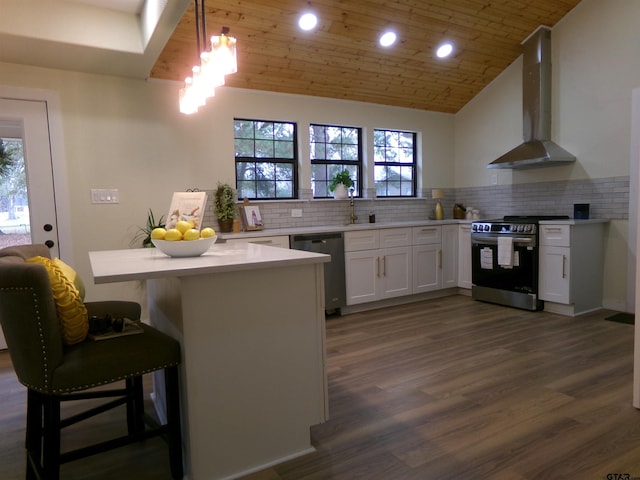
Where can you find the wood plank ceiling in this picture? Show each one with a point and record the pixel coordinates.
(341, 58)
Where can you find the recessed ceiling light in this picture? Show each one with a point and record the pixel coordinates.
(388, 38)
(444, 50)
(308, 21)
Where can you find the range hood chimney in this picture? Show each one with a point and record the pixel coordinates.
(537, 150)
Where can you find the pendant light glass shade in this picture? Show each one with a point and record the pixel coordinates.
(215, 63)
(223, 50)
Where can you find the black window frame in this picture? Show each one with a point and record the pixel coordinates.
(387, 163)
(328, 163)
(274, 160)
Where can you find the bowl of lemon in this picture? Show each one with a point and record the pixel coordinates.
(183, 240)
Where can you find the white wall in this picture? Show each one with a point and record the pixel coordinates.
(595, 66)
(128, 134)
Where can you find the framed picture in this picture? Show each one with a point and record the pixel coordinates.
(186, 206)
(251, 217)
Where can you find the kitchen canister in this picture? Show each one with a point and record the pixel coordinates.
(581, 211)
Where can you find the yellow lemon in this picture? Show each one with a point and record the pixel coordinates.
(173, 235)
(207, 232)
(192, 234)
(158, 233)
(183, 226)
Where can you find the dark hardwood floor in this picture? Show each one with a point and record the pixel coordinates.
(441, 389)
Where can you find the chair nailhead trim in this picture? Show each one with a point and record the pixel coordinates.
(45, 363)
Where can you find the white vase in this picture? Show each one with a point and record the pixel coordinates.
(340, 192)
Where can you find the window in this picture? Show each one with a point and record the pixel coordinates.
(395, 163)
(266, 159)
(334, 149)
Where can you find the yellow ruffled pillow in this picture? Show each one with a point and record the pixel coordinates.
(72, 313)
(71, 275)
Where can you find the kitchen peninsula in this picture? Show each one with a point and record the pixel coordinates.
(251, 322)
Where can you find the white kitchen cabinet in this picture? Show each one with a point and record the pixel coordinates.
(281, 241)
(434, 261)
(464, 256)
(555, 275)
(377, 264)
(449, 260)
(571, 266)
(427, 274)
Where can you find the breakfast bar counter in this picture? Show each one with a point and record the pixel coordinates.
(250, 319)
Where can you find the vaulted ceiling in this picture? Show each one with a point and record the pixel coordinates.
(340, 59)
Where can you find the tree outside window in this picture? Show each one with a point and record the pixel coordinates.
(334, 149)
(266, 159)
(395, 163)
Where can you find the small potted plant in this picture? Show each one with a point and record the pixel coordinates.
(144, 233)
(225, 206)
(340, 183)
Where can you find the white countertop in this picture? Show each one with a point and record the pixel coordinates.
(267, 232)
(572, 221)
(143, 263)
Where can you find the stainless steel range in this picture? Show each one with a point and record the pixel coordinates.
(504, 254)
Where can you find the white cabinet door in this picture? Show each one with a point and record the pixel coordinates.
(555, 279)
(362, 276)
(426, 268)
(449, 254)
(464, 256)
(395, 272)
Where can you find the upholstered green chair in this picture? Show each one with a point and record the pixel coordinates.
(54, 371)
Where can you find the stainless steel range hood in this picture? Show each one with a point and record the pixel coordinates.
(537, 150)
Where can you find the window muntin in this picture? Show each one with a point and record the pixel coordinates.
(334, 149)
(395, 163)
(266, 159)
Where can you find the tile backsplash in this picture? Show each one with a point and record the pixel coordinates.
(608, 198)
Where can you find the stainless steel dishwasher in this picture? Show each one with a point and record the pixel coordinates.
(335, 294)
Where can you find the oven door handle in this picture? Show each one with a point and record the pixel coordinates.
(493, 240)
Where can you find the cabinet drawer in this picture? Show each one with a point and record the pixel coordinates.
(361, 240)
(395, 237)
(426, 235)
(281, 241)
(555, 235)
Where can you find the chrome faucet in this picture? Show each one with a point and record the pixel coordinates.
(353, 217)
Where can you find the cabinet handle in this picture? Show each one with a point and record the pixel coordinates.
(429, 230)
(377, 266)
(384, 265)
(439, 258)
(564, 262)
(552, 229)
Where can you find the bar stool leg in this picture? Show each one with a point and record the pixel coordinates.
(173, 422)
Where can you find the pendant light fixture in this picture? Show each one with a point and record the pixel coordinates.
(216, 62)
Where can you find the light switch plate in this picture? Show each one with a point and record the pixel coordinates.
(105, 195)
(296, 212)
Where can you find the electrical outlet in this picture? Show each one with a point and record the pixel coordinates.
(105, 195)
(494, 179)
(296, 212)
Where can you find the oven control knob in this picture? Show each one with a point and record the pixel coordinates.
(486, 228)
(474, 227)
